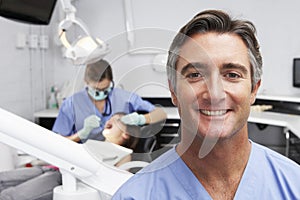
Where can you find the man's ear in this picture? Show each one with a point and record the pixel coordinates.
(173, 94)
(254, 92)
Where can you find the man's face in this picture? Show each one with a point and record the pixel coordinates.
(213, 89)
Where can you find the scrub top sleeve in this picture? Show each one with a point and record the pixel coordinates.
(63, 124)
(139, 104)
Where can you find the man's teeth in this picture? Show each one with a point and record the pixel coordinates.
(213, 113)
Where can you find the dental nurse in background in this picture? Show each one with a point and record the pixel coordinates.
(83, 115)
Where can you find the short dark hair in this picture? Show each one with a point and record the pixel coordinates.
(133, 131)
(98, 71)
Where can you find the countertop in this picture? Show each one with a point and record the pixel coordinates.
(291, 122)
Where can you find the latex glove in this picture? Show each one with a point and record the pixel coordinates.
(90, 123)
(133, 119)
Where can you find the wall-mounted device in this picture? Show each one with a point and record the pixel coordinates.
(296, 72)
(85, 49)
(28, 11)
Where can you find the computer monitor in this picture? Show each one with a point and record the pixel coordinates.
(296, 72)
(28, 11)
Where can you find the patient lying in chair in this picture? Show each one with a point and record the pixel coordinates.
(38, 182)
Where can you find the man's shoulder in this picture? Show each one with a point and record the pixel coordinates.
(158, 166)
(150, 178)
(122, 91)
(276, 160)
(164, 161)
(79, 94)
(76, 97)
(269, 168)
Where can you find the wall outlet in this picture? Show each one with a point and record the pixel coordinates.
(33, 41)
(21, 41)
(44, 42)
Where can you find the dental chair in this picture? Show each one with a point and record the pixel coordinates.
(142, 154)
(84, 175)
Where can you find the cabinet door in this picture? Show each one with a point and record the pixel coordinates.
(169, 135)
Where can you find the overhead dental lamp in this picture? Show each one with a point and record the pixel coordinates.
(85, 49)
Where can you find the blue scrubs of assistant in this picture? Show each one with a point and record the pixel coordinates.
(268, 175)
(79, 106)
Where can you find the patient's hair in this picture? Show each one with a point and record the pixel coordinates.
(134, 134)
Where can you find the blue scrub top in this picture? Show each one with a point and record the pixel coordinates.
(268, 175)
(79, 106)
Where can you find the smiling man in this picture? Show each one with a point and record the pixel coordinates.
(214, 72)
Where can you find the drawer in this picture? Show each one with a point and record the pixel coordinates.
(267, 135)
(169, 135)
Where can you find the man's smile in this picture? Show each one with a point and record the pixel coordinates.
(214, 112)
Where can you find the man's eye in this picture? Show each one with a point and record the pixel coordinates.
(233, 75)
(194, 75)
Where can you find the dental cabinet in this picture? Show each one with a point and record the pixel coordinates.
(279, 127)
(46, 118)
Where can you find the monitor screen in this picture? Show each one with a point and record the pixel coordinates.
(28, 11)
(296, 72)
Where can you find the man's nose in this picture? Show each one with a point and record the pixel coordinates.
(214, 90)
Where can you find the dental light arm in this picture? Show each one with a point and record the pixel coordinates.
(68, 8)
(85, 49)
(69, 156)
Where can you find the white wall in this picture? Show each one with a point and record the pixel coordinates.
(276, 21)
(21, 70)
(26, 75)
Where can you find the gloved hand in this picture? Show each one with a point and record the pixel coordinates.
(133, 119)
(90, 123)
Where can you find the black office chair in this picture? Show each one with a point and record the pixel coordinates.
(147, 141)
(146, 144)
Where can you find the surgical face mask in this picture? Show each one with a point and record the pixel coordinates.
(99, 95)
